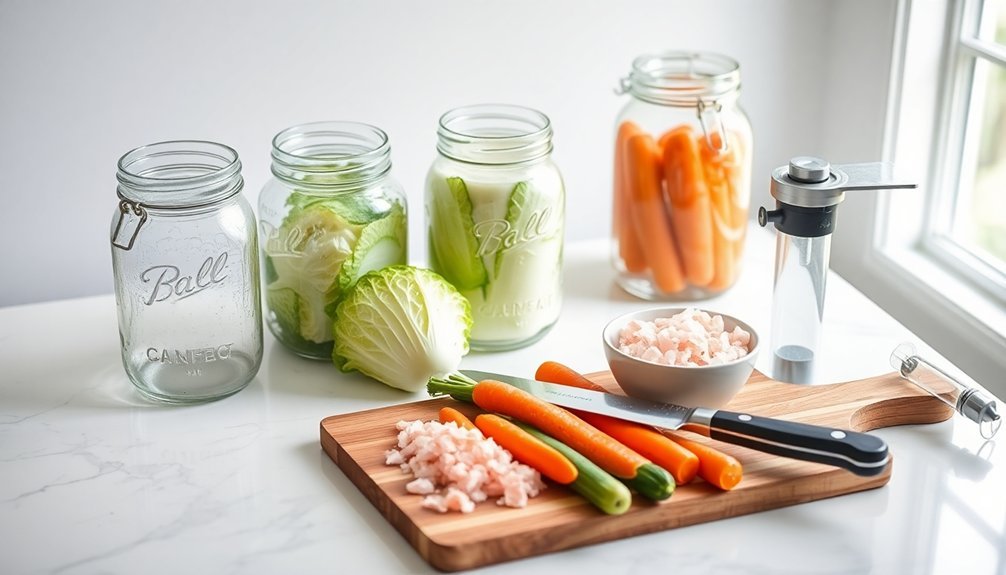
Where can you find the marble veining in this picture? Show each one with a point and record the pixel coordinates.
(93, 479)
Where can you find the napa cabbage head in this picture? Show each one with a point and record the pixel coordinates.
(402, 325)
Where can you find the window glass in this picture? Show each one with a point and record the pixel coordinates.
(980, 217)
(993, 26)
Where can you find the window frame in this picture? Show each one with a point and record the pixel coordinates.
(884, 243)
(957, 131)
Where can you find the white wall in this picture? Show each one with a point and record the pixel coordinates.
(82, 82)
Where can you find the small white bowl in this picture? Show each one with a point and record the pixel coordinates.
(690, 386)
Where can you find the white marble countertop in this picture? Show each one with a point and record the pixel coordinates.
(95, 480)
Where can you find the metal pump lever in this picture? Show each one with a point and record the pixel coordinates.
(814, 184)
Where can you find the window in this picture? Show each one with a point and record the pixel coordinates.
(935, 258)
(966, 224)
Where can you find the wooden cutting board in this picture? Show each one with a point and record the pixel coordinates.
(560, 519)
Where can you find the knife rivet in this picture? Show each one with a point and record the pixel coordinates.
(744, 417)
(838, 434)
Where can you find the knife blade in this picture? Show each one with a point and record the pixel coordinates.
(860, 453)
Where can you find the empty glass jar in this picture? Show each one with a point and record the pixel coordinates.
(331, 213)
(186, 272)
(682, 183)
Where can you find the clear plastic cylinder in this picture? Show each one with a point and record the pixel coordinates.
(966, 400)
(801, 274)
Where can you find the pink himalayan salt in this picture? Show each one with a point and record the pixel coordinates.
(457, 468)
(689, 338)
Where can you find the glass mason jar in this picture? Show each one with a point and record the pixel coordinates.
(495, 205)
(186, 272)
(682, 184)
(331, 213)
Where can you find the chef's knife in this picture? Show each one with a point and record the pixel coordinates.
(860, 453)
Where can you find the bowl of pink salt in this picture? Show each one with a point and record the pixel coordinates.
(687, 356)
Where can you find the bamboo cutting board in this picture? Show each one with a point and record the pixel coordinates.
(560, 519)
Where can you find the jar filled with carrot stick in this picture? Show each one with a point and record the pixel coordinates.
(682, 177)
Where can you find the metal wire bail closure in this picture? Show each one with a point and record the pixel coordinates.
(125, 206)
(709, 119)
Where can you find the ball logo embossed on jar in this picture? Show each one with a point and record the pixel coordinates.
(499, 235)
(170, 282)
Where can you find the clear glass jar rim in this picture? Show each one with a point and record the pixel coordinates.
(494, 134)
(684, 76)
(355, 140)
(179, 173)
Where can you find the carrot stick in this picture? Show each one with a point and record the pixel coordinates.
(688, 197)
(638, 472)
(718, 178)
(527, 448)
(681, 463)
(716, 467)
(555, 372)
(449, 414)
(650, 215)
(629, 248)
(740, 186)
(609, 454)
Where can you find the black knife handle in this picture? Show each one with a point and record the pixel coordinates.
(860, 453)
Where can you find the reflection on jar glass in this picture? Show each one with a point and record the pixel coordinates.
(186, 272)
(331, 213)
(495, 206)
(682, 182)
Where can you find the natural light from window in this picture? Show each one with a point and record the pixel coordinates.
(979, 223)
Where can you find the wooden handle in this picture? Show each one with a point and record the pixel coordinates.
(860, 405)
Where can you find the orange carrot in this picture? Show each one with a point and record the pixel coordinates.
(555, 372)
(688, 197)
(719, 192)
(716, 467)
(651, 444)
(609, 454)
(635, 470)
(629, 248)
(650, 215)
(449, 414)
(740, 185)
(527, 448)
(682, 464)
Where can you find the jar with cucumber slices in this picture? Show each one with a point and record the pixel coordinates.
(331, 213)
(494, 207)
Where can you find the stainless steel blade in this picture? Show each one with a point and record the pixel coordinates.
(664, 415)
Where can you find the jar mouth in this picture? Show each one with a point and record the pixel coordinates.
(179, 173)
(494, 134)
(334, 153)
(684, 78)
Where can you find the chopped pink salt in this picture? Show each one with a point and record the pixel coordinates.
(456, 468)
(689, 338)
